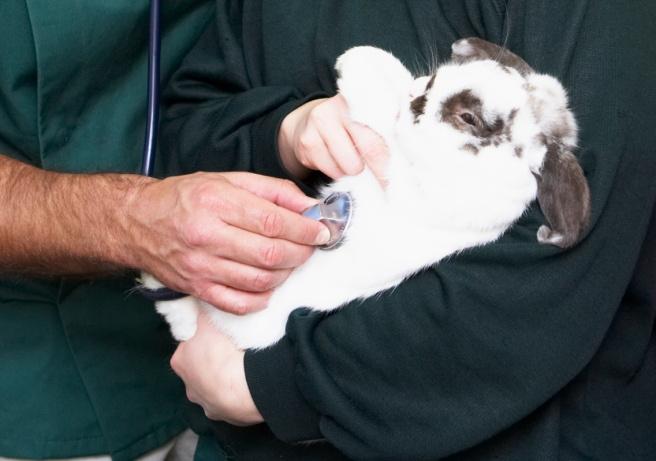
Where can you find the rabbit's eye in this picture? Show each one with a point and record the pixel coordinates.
(468, 118)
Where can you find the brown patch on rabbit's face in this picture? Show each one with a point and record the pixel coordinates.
(464, 112)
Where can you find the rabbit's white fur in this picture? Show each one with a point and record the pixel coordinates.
(446, 190)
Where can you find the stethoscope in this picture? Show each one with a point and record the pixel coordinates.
(335, 211)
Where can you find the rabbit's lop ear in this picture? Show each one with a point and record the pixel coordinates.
(564, 198)
(563, 192)
(474, 48)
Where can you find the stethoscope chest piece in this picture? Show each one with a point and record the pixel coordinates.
(334, 212)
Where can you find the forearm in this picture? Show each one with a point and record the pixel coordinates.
(64, 224)
(465, 335)
(220, 120)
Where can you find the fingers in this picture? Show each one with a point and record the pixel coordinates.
(219, 288)
(242, 276)
(234, 301)
(341, 148)
(247, 211)
(282, 192)
(255, 250)
(313, 153)
(212, 368)
(330, 145)
(205, 235)
(221, 295)
(372, 148)
(314, 137)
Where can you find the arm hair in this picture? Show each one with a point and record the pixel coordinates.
(55, 224)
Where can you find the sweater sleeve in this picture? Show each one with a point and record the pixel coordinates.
(219, 115)
(464, 350)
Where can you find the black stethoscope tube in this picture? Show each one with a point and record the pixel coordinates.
(152, 129)
(152, 123)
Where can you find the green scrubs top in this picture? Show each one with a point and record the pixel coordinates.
(83, 365)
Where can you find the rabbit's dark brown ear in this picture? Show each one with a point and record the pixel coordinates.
(473, 48)
(564, 198)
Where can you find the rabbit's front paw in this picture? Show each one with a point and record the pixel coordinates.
(375, 85)
(181, 315)
(367, 65)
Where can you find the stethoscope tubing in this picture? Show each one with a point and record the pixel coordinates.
(152, 129)
(152, 120)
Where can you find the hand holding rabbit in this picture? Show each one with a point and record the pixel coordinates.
(212, 369)
(320, 135)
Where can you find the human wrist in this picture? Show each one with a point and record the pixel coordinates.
(55, 223)
(127, 250)
(101, 214)
(285, 144)
(286, 141)
(248, 411)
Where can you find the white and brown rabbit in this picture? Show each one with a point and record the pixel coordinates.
(471, 146)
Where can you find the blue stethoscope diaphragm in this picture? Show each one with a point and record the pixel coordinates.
(334, 212)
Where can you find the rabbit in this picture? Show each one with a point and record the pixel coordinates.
(471, 146)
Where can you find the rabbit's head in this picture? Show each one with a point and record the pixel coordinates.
(499, 135)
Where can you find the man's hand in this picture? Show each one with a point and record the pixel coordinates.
(212, 369)
(228, 239)
(225, 238)
(320, 135)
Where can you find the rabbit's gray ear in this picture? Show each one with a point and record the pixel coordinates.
(564, 197)
(563, 192)
(474, 48)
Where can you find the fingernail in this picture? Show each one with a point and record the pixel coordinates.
(323, 237)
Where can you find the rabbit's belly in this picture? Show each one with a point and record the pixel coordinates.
(325, 287)
(326, 282)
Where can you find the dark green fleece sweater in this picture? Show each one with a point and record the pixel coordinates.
(513, 351)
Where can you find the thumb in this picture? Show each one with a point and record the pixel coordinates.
(372, 148)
